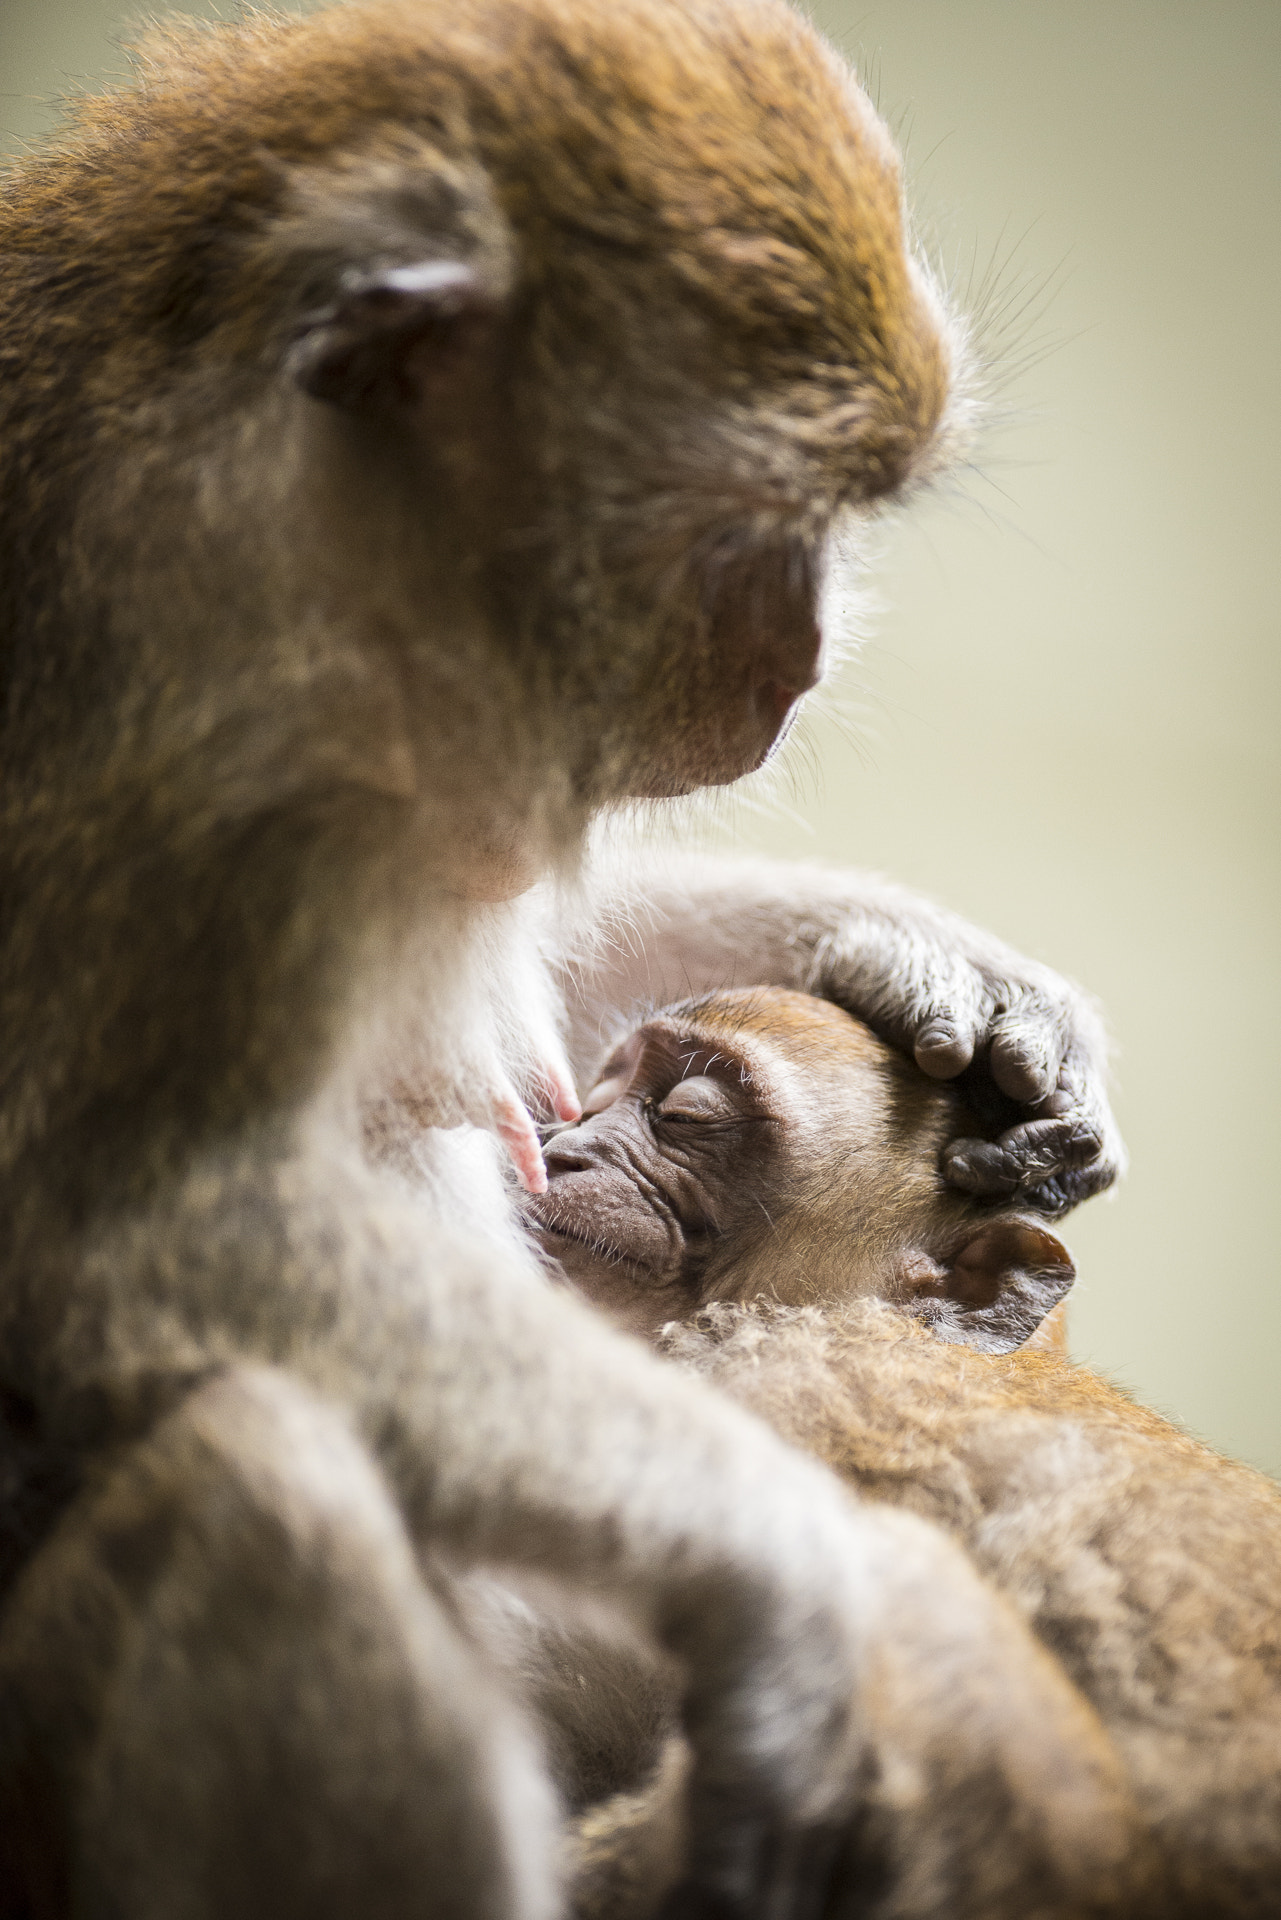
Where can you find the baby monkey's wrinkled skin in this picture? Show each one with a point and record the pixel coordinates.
(755, 1185)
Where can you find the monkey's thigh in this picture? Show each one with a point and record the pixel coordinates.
(225, 1690)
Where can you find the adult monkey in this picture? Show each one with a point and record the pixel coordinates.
(421, 426)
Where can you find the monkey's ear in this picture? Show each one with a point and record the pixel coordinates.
(374, 346)
(997, 1287)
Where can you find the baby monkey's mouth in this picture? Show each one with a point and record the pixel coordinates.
(560, 1234)
(638, 1293)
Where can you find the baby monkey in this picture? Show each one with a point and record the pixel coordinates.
(755, 1186)
(764, 1144)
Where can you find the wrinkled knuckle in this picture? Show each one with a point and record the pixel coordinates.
(977, 1166)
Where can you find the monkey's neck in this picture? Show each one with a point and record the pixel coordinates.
(171, 987)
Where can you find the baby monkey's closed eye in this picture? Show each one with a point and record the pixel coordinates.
(700, 1098)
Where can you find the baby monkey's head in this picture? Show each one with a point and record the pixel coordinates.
(762, 1142)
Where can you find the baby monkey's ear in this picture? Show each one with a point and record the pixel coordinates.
(996, 1288)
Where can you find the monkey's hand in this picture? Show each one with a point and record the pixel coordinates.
(1032, 1045)
(747, 1562)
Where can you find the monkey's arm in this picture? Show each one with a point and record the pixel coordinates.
(821, 1640)
(671, 927)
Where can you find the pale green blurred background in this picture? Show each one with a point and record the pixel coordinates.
(1065, 724)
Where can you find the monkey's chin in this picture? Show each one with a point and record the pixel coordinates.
(723, 762)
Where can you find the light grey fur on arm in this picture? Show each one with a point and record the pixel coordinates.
(670, 926)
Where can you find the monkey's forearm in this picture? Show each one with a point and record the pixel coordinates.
(513, 1426)
(679, 926)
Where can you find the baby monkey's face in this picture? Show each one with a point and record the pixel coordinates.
(762, 1142)
(666, 1175)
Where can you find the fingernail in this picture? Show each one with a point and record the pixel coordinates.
(940, 1050)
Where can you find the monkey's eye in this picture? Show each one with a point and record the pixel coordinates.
(698, 1098)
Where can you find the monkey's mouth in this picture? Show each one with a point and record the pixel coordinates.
(788, 667)
(589, 1238)
(765, 629)
(774, 707)
(575, 1242)
(782, 699)
(778, 701)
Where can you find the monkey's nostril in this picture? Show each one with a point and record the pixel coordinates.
(565, 1157)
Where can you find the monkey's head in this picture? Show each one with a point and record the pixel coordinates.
(454, 400)
(765, 1142)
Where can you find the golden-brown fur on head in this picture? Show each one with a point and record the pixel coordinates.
(740, 163)
(865, 1130)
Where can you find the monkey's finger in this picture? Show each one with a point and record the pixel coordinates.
(1079, 1104)
(1027, 1051)
(946, 1030)
(944, 1046)
(516, 1130)
(1026, 1158)
(979, 1167)
(1067, 1190)
(927, 997)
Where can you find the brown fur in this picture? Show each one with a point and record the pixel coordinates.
(419, 426)
(1144, 1563)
